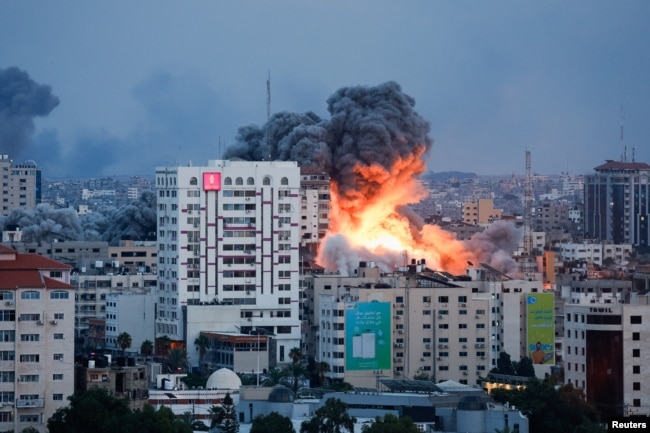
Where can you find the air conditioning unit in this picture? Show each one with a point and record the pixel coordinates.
(477, 316)
(53, 322)
(465, 373)
(400, 344)
(441, 316)
(423, 359)
(446, 346)
(189, 211)
(440, 346)
(400, 331)
(439, 359)
(40, 322)
(9, 303)
(248, 199)
(463, 304)
(428, 346)
(482, 357)
(464, 346)
(482, 345)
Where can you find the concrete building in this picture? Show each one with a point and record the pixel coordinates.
(314, 209)
(133, 313)
(122, 378)
(228, 234)
(481, 212)
(435, 324)
(594, 252)
(605, 330)
(616, 202)
(36, 344)
(21, 185)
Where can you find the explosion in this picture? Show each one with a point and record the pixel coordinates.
(373, 148)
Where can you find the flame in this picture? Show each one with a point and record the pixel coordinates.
(374, 220)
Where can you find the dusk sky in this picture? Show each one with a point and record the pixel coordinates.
(149, 83)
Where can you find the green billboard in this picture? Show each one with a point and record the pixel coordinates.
(540, 327)
(367, 336)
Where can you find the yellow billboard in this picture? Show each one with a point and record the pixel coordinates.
(540, 321)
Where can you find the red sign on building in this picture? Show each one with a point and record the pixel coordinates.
(211, 181)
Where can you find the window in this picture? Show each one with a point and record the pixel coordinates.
(636, 369)
(30, 337)
(30, 358)
(636, 386)
(636, 353)
(58, 316)
(636, 336)
(30, 294)
(29, 378)
(59, 294)
(58, 357)
(57, 376)
(33, 418)
(635, 320)
(57, 397)
(7, 336)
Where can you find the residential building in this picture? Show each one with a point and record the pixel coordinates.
(481, 212)
(422, 322)
(617, 200)
(314, 209)
(594, 252)
(133, 313)
(228, 235)
(36, 344)
(21, 185)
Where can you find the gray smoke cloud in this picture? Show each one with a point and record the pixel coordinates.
(367, 125)
(21, 100)
(136, 221)
(494, 245)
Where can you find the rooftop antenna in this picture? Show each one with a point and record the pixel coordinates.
(622, 128)
(268, 113)
(528, 204)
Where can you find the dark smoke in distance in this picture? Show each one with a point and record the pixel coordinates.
(21, 99)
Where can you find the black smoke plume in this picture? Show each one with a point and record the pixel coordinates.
(367, 125)
(21, 100)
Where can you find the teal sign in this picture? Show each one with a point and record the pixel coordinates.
(367, 336)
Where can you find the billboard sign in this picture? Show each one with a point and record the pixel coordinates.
(367, 336)
(211, 181)
(540, 327)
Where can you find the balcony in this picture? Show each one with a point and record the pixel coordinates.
(29, 403)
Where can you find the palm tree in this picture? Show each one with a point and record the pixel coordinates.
(202, 344)
(164, 342)
(276, 376)
(146, 348)
(295, 354)
(176, 359)
(296, 371)
(217, 415)
(322, 368)
(124, 341)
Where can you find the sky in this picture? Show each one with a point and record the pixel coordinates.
(135, 85)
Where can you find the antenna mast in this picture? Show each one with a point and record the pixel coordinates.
(624, 158)
(268, 113)
(528, 204)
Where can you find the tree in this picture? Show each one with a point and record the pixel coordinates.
(563, 409)
(177, 359)
(322, 368)
(163, 343)
(275, 376)
(333, 417)
(146, 348)
(296, 371)
(217, 414)
(95, 410)
(525, 367)
(295, 354)
(202, 344)
(124, 341)
(504, 364)
(230, 424)
(390, 424)
(272, 423)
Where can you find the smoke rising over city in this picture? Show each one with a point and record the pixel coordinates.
(373, 147)
(21, 100)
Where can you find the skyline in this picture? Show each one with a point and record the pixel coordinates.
(175, 81)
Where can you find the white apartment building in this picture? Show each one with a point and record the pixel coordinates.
(596, 253)
(450, 329)
(36, 339)
(228, 237)
(131, 313)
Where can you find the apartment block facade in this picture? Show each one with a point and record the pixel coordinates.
(21, 185)
(36, 339)
(228, 237)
